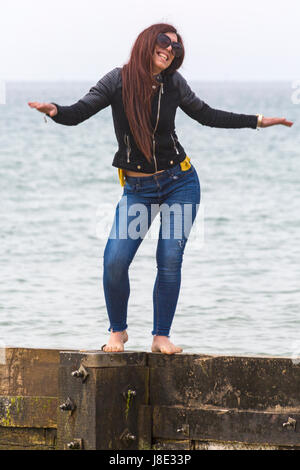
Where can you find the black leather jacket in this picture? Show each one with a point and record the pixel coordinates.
(173, 91)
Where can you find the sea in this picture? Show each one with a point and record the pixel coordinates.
(240, 287)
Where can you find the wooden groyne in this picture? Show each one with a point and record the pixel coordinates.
(51, 399)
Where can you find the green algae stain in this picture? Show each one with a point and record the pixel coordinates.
(11, 408)
(19, 404)
(6, 420)
(130, 394)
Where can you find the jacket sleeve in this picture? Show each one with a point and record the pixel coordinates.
(204, 114)
(99, 97)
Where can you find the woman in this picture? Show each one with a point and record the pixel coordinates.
(153, 168)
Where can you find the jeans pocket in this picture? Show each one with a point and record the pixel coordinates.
(183, 173)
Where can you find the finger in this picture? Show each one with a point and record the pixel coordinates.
(32, 104)
(276, 121)
(35, 105)
(285, 122)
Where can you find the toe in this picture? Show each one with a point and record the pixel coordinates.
(166, 350)
(113, 348)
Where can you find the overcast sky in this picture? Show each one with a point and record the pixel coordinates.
(82, 40)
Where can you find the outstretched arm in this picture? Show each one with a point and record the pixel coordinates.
(204, 114)
(99, 97)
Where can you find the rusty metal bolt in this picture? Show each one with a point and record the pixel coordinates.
(76, 444)
(73, 445)
(76, 373)
(129, 394)
(184, 429)
(68, 405)
(80, 373)
(290, 424)
(127, 436)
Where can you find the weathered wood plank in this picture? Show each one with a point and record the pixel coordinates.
(233, 382)
(27, 439)
(256, 427)
(29, 372)
(29, 412)
(144, 427)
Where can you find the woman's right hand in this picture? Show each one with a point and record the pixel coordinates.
(46, 108)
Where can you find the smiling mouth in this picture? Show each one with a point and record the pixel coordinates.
(163, 56)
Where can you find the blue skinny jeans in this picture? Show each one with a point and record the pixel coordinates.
(175, 194)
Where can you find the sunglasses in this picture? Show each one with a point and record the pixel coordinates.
(164, 41)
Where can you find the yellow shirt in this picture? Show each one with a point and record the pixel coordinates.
(185, 165)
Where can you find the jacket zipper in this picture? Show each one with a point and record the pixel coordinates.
(128, 148)
(157, 119)
(175, 148)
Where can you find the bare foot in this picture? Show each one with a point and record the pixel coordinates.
(163, 344)
(116, 342)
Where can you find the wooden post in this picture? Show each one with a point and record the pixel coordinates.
(100, 395)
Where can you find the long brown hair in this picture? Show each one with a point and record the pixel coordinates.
(138, 81)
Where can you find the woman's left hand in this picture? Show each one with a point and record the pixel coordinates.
(267, 122)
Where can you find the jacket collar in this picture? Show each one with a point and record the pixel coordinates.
(159, 77)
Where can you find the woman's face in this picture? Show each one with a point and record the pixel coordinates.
(162, 58)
